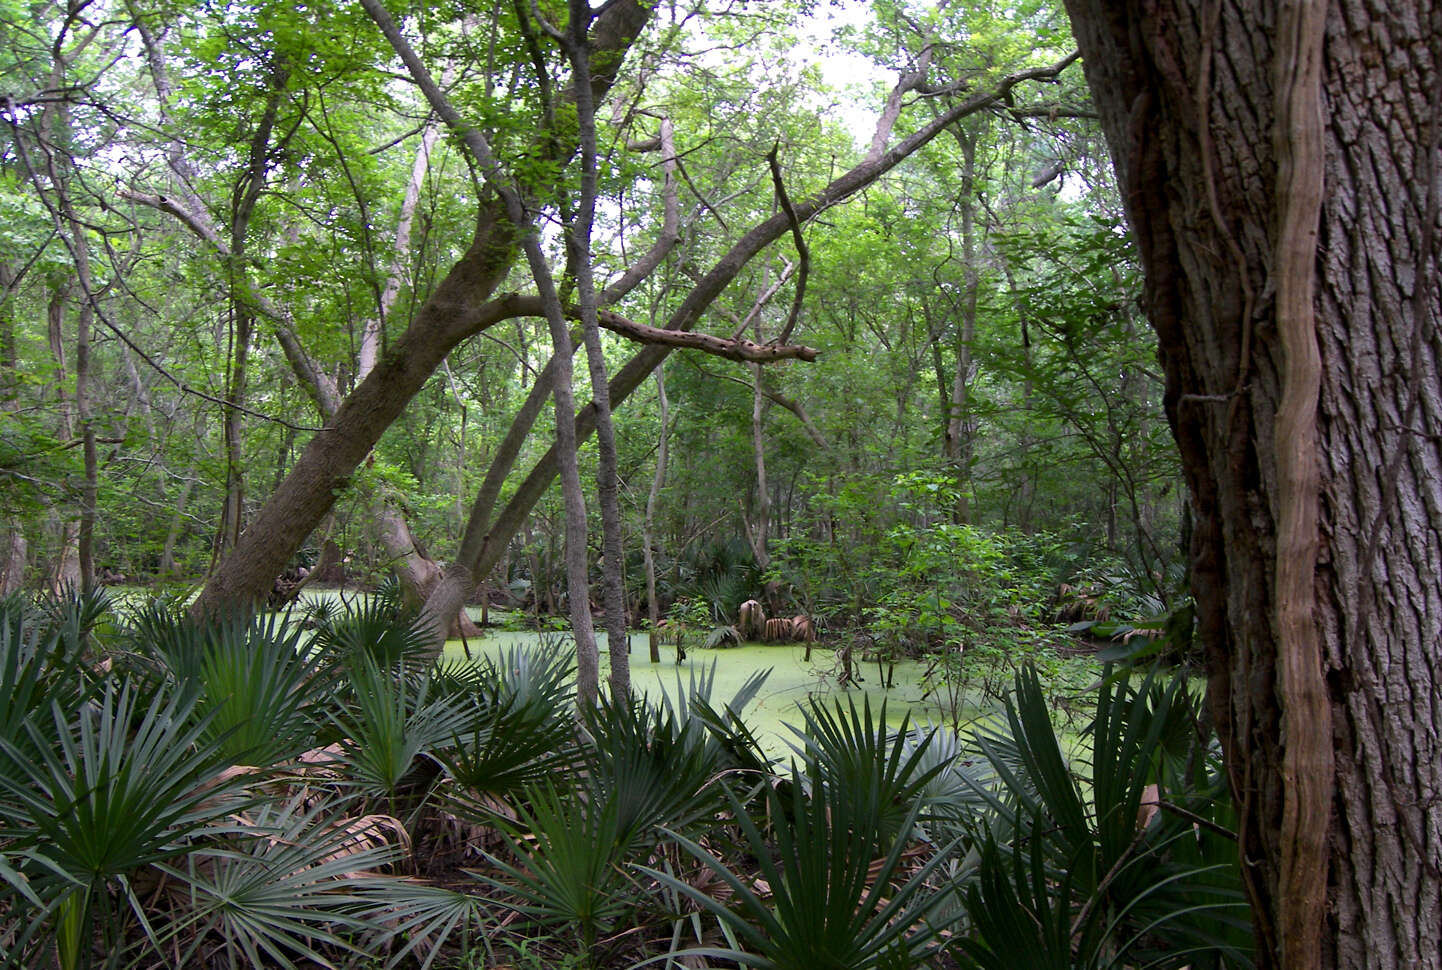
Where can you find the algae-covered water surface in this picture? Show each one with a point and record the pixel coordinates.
(791, 683)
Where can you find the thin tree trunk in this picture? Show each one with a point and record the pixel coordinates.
(648, 536)
(416, 572)
(90, 484)
(172, 534)
(247, 193)
(513, 204)
(232, 517)
(1026, 443)
(13, 560)
(618, 641)
(373, 334)
(65, 569)
(57, 123)
(14, 549)
(459, 308)
(758, 527)
(959, 429)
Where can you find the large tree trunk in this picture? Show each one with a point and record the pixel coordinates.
(1304, 397)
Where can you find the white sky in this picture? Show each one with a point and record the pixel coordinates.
(851, 75)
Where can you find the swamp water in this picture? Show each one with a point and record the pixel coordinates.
(793, 681)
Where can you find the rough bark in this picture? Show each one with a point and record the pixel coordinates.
(1214, 179)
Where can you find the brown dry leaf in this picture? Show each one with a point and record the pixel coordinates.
(320, 763)
(223, 778)
(370, 832)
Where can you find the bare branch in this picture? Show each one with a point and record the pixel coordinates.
(735, 348)
(763, 299)
(670, 223)
(802, 250)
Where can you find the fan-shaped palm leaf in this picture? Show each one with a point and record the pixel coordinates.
(856, 752)
(831, 904)
(392, 719)
(286, 886)
(117, 785)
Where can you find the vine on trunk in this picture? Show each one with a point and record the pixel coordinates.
(1307, 770)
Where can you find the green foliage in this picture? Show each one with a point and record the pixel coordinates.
(113, 787)
(919, 583)
(722, 574)
(908, 543)
(569, 877)
(284, 893)
(827, 908)
(1104, 889)
(391, 725)
(260, 689)
(654, 766)
(857, 753)
(379, 630)
(37, 671)
(125, 825)
(522, 730)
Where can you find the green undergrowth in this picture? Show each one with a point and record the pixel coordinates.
(253, 792)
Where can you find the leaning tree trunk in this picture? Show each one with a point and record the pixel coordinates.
(456, 309)
(416, 572)
(1279, 165)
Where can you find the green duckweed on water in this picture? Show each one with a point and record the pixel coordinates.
(792, 681)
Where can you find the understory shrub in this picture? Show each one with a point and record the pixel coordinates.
(245, 792)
